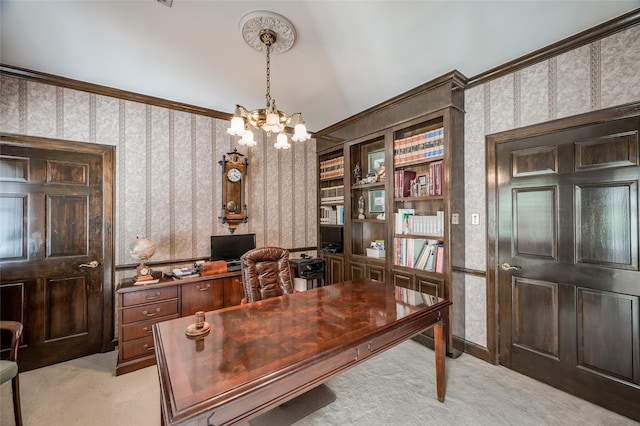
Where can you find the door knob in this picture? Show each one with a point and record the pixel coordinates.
(92, 264)
(506, 267)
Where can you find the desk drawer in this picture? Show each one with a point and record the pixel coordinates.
(141, 329)
(149, 295)
(138, 347)
(153, 310)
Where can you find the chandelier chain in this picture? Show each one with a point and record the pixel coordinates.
(268, 74)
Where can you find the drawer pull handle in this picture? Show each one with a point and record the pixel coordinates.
(147, 330)
(151, 297)
(152, 313)
(149, 348)
(204, 289)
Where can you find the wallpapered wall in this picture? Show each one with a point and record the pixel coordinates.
(168, 180)
(602, 74)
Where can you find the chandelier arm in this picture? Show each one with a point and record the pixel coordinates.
(243, 109)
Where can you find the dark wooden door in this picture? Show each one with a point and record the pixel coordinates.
(568, 284)
(55, 249)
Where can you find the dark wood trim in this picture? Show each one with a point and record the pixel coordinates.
(108, 249)
(455, 77)
(467, 271)
(478, 351)
(585, 37)
(492, 141)
(128, 266)
(69, 83)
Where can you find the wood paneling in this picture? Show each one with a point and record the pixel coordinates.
(617, 150)
(604, 214)
(66, 307)
(535, 315)
(67, 225)
(535, 222)
(13, 232)
(607, 334)
(536, 161)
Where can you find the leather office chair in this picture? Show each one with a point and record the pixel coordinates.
(9, 368)
(266, 273)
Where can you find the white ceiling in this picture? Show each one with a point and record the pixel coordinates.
(348, 55)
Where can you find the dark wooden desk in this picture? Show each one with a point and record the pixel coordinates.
(261, 354)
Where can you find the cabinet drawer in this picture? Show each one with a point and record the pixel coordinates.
(152, 310)
(138, 347)
(141, 329)
(149, 295)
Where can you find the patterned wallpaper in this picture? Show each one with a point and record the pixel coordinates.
(603, 74)
(168, 185)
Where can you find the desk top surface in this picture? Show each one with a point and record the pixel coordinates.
(248, 344)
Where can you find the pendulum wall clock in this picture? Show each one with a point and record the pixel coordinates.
(234, 202)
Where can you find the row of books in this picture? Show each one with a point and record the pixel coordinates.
(424, 145)
(407, 222)
(420, 253)
(406, 183)
(332, 194)
(333, 215)
(435, 178)
(333, 168)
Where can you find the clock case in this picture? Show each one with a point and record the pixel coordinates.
(234, 199)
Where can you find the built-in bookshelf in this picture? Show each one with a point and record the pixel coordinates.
(419, 195)
(403, 184)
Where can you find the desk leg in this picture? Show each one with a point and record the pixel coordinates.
(439, 345)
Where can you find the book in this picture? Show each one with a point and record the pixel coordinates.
(440, 259)
(402, 225)
(152, 281)
(402, 180)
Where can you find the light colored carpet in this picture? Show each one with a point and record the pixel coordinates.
(394, 388)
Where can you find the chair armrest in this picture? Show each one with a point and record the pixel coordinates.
(16, 329)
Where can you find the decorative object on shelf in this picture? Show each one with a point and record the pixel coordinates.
(357, 174)
(234, 199)
(199, 327)
(376, 201)
(376, 160)
(143, 249)
(380, 173)
(381, 216)
(361, 207)
(271, 33)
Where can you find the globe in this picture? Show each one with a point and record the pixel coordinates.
(142, 248)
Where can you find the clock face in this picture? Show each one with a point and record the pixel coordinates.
(234, 175)
(144, 271)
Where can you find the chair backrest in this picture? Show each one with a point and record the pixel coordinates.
(266, 273)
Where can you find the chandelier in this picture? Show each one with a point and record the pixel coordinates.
(272, 33)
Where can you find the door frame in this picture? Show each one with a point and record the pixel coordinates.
(491, 146)
(107, 152)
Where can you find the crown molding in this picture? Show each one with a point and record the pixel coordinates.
(601, 31)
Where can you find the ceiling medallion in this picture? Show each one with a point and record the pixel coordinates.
(270, 33)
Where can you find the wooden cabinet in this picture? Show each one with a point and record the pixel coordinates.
(374, 271)
(334, 268)
(404, 190)
(139, 307)
(201, 296)
(233, 291)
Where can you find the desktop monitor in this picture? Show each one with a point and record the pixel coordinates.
(231, 247)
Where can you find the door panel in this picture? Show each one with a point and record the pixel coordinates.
(56, 197)
(567, 222)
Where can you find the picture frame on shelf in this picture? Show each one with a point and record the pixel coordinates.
(376, 201)
(376, 159)
(423, 182)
